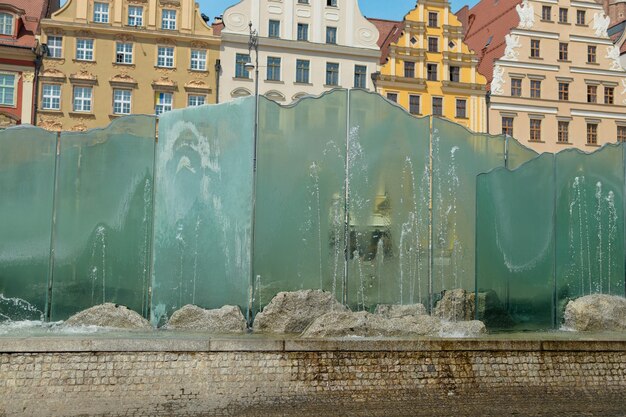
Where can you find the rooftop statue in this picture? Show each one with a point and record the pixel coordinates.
(601, 24)
(526, 14)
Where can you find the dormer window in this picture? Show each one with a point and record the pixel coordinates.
(101, 12)
(6, 24)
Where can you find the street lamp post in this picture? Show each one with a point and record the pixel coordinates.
(253, 43)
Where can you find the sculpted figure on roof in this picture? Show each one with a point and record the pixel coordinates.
(601, 24)
(526, 14)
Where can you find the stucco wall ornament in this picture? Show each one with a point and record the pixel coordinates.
(601, 24)
(512, 43)
(612, 53)
(624, 89)
(497, 83)
(526, 14)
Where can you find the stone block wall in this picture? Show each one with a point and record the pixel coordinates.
(251, 377)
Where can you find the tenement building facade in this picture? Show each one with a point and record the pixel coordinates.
(305, 47)
(20, 57)
(555, 76)
(427, 69)
(110, 58)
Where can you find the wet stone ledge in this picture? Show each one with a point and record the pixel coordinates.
(199, 377)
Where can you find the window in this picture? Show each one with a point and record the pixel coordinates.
(195, 100)
(591, 54)
(51, 97)
(414, 104)
(535, 88)
(621, 133)
(562, 15)
(163, 103)
(592, 133)
(592, 94)
(273, 69)
(563, 91)
(7, 89)
(534, 48)
(332, 3)
(580, 17)
(303, 69)
(168, 19)
(431, 72)
(121, 101)
(507, 126)
(437, 106)
(563, 132)
(433, 44)
(240, 62)
(6, 24)
(198, 60)
(563, 52)
(84, 49)
(124, 53)
(409, 69)
(303, 32)
(433, 20)
(165, 57)
(360, 76)
(546, 12)
(55, 46)
(274, 29)
(461, 108)
(101, 12)
(82, 99)
(331, 35)
(535, 130)
(609, 95)
(455, 74)
(392, 97)
(332, 74)
(516, 87)
(135, 16)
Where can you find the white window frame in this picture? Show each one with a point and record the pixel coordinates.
(82, 102)
(164, 57)
(134, 19)
(49, 98)
(168, 19)
(122, 101)
(87, 52)
(101, 15)
(193, 100)
(7, 24)
(54, 50)
(198, 59)
(162, 106)
(122, 51)
(3, 96)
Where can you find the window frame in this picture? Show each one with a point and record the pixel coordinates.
(563, 92)
(534, 130)
(332, 74)
(303, 72)
(305, 32)
(331, 35)
(409, 69)
(592, 133)
(240, 66)
(413, 105)
(83, 99)
(455, 72)
(124, 53)
(563, 51)
(535, 48)
(563, 15)
(592, 94)
(200, 60)
(105, 16)
(50, 97)
(58, 48)
(273, 68)
(392, 96)
(85, 50)
(13, 88)
(196, 97)
(458, 114)
(435, 44)
(134, 16)
(516, 90)
(535, 88)
(439, 106)
(621, 133)
(163, 60)
(505, 127)
(548, 17)
(430, 21)
(429, 72)
(123, 102)
(360, 76)
(609, 95)
(592, 54)
(562, 131)
(582, 13)
(273, 29)
(166, 17)
(7, 20)
(165, 107)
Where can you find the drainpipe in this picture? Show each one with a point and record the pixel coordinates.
(488, 102)
(218, 71)
(375, 77)
(40, 51)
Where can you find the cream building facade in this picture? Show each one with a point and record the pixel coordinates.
(110, 58)
(306, 47)
(556, 78)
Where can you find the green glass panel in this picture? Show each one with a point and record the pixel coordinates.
(515, 245)
(103, 224)
(458, 157)
(203, 208)
(590, 225)
(300, 197)
(27, 162)
(517, 154)
(388, 201)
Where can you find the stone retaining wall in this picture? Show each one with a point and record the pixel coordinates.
(252, 377)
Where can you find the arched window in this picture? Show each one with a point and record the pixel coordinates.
(6, 24)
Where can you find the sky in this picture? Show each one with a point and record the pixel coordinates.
(383, 9)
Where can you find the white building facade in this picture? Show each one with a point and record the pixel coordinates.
(306, 47)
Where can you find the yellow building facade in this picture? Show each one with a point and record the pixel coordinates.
(110, 58)
(427, 69)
